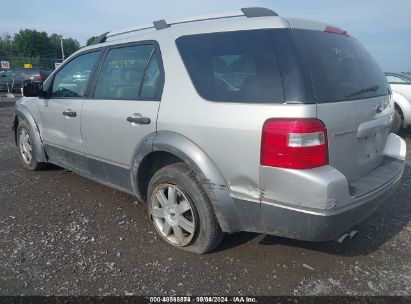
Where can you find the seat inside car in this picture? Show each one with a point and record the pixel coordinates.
(131, 78)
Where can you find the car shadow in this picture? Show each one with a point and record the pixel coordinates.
(406, 132)
(387, 222)
(52, 167)
(234, 240)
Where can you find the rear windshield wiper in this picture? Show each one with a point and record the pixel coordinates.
(369, 89)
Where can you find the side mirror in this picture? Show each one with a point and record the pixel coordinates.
(31, 89)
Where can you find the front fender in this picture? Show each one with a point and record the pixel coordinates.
(23, 113)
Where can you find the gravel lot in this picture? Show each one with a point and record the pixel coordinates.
(61, 234)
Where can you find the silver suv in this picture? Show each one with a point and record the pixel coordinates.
(238, 122)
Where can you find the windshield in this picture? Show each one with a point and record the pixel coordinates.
(340, 67)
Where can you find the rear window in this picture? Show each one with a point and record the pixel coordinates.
(19, 72)
(45, 71)
(233, 66)
(340, 67)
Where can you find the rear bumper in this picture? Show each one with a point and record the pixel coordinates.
(320, 226)
(319, 204)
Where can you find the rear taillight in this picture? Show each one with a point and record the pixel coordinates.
(39, 78)
(294, 143)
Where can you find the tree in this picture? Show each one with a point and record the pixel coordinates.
(31, 43)
(56, 46)
(37, 48)
(6, 45)
(91, 40)
(70, 46)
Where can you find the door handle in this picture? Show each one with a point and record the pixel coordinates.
(69, 113)
(139, 120)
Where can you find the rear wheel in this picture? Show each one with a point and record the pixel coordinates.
(180, 210)
(397, 123)
(25, 144)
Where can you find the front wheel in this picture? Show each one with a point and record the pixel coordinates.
(25, 144)
(181, 211)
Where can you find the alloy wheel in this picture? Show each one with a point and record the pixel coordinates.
(173, 215)
(25, 146)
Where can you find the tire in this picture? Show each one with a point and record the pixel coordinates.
(189, 223)
(25, 144)
(397, 123)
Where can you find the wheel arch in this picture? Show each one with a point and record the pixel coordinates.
(163, 148)
(403, 105)
(23, 113)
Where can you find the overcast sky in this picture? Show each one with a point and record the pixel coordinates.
(383, 26)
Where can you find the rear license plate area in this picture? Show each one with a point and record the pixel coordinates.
(369, 147)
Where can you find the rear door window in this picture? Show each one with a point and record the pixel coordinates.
(130, 72)
(340, 67)
(152, 79)
(236, 66)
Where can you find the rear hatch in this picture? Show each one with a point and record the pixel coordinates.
(352, 97)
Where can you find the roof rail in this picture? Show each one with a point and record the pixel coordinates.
(249, 12)
(100, 38)
(160, 24)
(215, 16)
(130, 30)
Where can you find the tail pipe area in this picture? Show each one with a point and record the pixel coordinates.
(343, 237)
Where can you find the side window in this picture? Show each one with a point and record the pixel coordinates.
(122, 73)
(233, 70)
(236, 66)
(71, 80)
(151, 82)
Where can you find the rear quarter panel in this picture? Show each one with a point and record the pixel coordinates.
(229, 133)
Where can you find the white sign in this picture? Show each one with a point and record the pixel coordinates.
(57, 65)
(5, 65)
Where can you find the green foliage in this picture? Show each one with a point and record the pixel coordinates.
(6, 45)
(70, 46)
(91, 40)
(37, 48)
